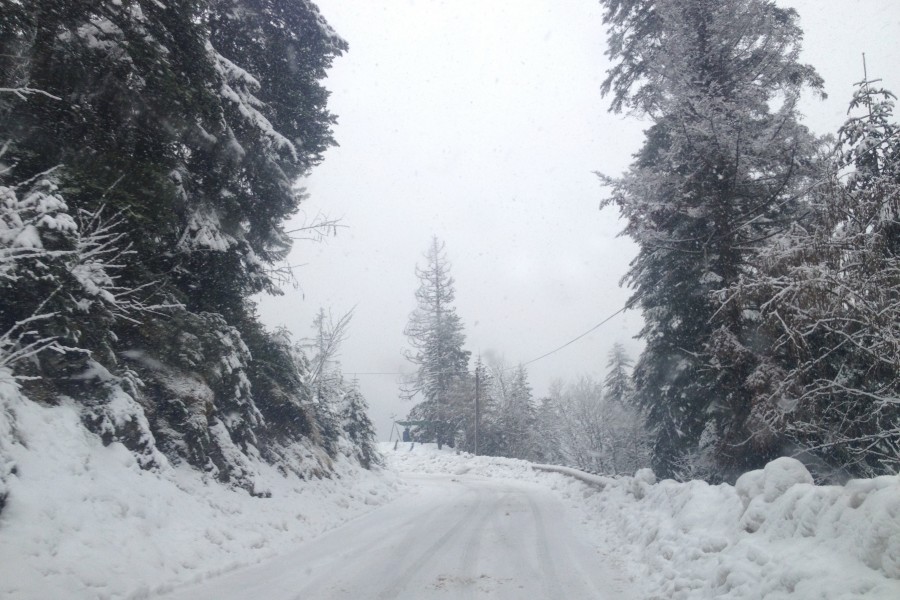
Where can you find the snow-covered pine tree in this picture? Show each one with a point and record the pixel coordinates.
(715, 178)
(617, 385)
(272, 126)
(435, 333)
(357, 427)
(517, 416)
(191, 121)
(337, 405)
(625, 438)
(509, 419)
(278, 376)
(548, 429)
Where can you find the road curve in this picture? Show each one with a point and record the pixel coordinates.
(452, 537)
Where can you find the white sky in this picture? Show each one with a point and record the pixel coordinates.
(481, 122)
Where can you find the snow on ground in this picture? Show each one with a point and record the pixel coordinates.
(773, 535)
(448, 537)
(84, 521)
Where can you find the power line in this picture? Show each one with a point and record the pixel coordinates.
(533, 360)
(573, 340)
(353, 373)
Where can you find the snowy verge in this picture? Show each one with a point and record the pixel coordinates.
(83, 520)
(407, 457)
(773, 535)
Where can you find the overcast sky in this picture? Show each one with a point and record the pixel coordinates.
(481, 122)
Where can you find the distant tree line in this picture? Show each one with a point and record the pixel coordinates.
(492, 410)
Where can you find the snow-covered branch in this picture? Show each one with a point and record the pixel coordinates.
(66, 265)
(24, 92)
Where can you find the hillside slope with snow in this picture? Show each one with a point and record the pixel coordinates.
(82, 520)
(772, 535)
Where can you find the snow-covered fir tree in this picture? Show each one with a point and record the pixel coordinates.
(490, 436)
(435, 333)
(516, 413)
(338, 406)
(185, 126)
(625, 437)
(717, 176)
(548, 432)
(617, 385)
(357, 427)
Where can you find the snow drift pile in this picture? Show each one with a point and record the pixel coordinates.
(426, 458)
(774, 534)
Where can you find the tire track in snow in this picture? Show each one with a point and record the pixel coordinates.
(562, 556)
(394, 545)
(550, 577)
(401, 581)
(456, 538)
(472, 549)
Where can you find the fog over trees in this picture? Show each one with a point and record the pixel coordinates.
(150, 156)
(766, 274)
(492, 410)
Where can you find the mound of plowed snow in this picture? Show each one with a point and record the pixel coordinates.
(772, 535)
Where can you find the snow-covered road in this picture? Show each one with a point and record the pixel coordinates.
(459, 536)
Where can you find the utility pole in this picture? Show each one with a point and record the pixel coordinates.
(864, 85)
(477, 411)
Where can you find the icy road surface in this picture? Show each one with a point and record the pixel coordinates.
(450, 537)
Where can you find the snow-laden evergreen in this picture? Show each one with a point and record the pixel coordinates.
(339, 407)
(826, 295)
(149, 155)
(718, 175)
(435, 332)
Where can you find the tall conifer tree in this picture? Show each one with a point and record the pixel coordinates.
(435, 332)
(716, 176)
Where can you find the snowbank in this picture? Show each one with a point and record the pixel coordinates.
(773, 535)
(426, 458)
(84, 521)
